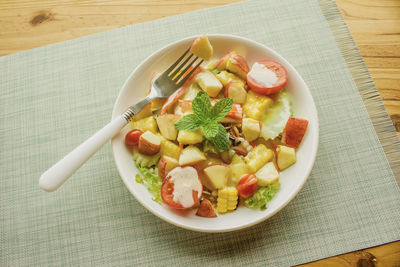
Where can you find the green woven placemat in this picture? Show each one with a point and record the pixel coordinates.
(54, 97)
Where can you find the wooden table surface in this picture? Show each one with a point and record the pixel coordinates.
(374, 24)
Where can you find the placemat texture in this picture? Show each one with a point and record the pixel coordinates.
(53, 97)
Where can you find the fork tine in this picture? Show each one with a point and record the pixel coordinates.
(183, 80)
(176, 71)
(176, 62)
(184, 71)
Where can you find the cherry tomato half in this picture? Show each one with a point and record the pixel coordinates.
(280, 72)
(132, 137)
(167, 194)
(247, 186)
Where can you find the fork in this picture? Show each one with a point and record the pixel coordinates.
(164, 86)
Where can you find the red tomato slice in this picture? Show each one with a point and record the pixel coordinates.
(132, 137)
(167, 190)
(247, 186)
(280, 72)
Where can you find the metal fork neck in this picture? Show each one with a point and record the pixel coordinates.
(135, 109)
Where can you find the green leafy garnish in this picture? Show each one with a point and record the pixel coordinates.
(208, 117)
(151, 180)
(189, 122)
(262, 196)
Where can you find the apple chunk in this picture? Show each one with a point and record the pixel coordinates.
(234, 116)
(165, 165)
(149, 143)
(209, 83)
(267, 174)
(221, 64)
(191, 155)
(238, 65)
(206, 209)
(217, 175)
(251, 129)
(236, 91)
(286, 156)
(294, 132)
(202, 48)
(185, 106)
(166, 124)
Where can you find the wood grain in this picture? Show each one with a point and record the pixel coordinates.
(374, 24)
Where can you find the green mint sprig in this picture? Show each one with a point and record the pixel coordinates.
(208, 117)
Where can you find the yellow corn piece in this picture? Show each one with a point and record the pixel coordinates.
(169, 149)
(256, 105)
(227, 199)
(257, 157)
(146, 124)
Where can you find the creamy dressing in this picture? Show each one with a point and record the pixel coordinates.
(262, 75)
(185, 180)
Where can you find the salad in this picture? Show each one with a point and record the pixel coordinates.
(222, 139)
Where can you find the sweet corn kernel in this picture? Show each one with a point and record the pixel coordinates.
(256, 105)
(257, 157)
(227, 199)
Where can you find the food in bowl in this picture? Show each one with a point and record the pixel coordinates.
(222, 140)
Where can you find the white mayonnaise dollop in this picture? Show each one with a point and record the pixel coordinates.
(262, 75)
(185, 181)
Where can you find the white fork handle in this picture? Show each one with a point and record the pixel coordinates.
(54, 177)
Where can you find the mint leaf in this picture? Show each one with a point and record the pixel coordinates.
(190, 122)
(201, 105)
(208, 117)
(221, 141)
(221, 108)
(211, 129)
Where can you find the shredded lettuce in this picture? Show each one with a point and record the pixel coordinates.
(151, 180)
(262, 196)
(276, 116)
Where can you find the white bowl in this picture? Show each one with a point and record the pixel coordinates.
(291, 179)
